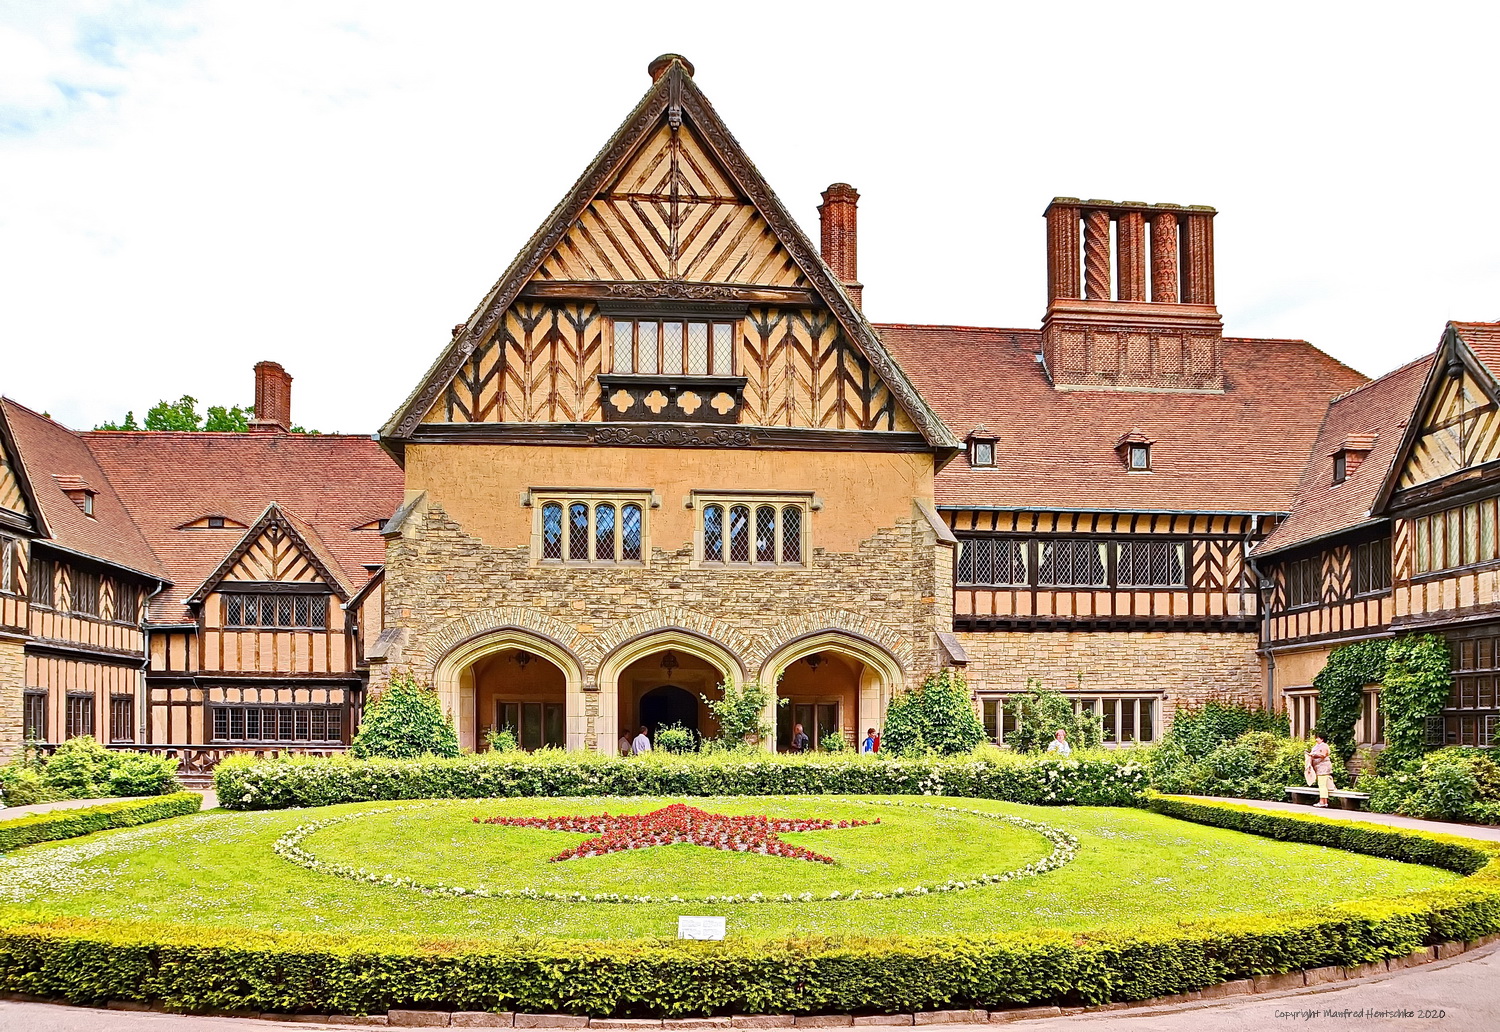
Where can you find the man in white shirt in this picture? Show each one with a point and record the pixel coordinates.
(642, 744)
(1059, 744)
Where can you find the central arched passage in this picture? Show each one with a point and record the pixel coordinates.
(834, 683)
(516, 679)
(670, 705)
(664, 677)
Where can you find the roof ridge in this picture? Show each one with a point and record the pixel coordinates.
(40, 415)
(1382, 377)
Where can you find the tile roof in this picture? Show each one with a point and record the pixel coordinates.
(55, 459)
(1380, 409)
(1242, 450)
(332, 483)
(1483, 338)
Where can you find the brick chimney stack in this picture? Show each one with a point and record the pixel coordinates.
(273, 399)
(838, 217)
(1130, 297)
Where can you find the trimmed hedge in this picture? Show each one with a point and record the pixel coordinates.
(65, 824)
(1102, 779)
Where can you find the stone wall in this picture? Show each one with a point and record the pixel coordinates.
(12, 685)
(445, 586)
(1187, 667)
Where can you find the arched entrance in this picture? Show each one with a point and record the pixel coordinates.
(834, 683)
(667, 705)
(515, 678)
(662, 670)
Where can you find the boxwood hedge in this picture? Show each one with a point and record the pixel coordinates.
(1098, 779)
(64, 824)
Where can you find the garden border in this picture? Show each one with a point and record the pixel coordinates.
(55, 825)
(207, 969)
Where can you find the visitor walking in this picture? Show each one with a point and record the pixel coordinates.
(624, 743)
(1321, 759)
(871, 742)
(799, 739)
(1059, 744)
(642, 744)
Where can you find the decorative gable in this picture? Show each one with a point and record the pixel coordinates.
(670, 237)
(12, 496)
(1457, 429)
(275, 550)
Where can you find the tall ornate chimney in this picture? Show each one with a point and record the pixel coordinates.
(1102, 330)
(273, 399)
(838, 217)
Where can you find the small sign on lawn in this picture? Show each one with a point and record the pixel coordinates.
(700, 928)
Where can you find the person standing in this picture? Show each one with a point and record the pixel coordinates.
(641, 745)
(799, 739)
(1059, 744)
(625, 741)
(871, 742)
(1321, 758)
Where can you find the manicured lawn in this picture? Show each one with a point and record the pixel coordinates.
(1133, 868)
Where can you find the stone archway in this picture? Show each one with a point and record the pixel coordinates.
(672, 656)
(832, 677)
(465, 677)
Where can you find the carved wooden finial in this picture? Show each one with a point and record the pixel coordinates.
(659, 67)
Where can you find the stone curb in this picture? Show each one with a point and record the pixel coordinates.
(1242, 987)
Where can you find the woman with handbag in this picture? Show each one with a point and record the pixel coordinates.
(1320, 762)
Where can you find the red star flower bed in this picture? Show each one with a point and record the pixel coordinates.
(679, 824)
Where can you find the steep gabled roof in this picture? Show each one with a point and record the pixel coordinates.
(51, 458)
(331, 483)
(313, 549)
(1380, 409)
(1240, 450)
(672, 95)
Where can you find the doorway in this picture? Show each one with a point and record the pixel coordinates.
(669, 704)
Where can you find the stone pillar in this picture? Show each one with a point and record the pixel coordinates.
(1164, 258)
(1062, 251)
(1096, 255)
(1199, 246)
(1130, 254)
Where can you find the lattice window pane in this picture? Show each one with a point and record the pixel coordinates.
(318, 612)
(1451, 552)
(552, 531)
(646, 344)
(237, 725)
(1487, 529)
(1419, 532)
(713, 533)
(739, 533)
(252, 724)
(624, 346)
(36, 716)
(578, 531)
(234, 610)
(221, 724)
(765, 534)
(301, 611)
(303, 720)
(723, 364)
(671, 347)
(697, 347)
(791, 534)
(604, 531)
(286, 719)
(1471, 534)
(630, 532)
(319, 721)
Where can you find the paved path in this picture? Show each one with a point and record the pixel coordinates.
(1460, 994)
(8, 812)
(1474, 831)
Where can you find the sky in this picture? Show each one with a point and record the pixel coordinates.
(189, 187)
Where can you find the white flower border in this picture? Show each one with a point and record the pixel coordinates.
(289, 847)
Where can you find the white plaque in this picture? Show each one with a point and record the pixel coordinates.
(700, 928)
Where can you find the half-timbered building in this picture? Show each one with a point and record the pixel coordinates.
(1393, 531)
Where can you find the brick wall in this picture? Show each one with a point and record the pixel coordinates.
(12, 682)
(1185, 666)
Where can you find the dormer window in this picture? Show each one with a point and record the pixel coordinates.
(78, 491)
(1350, 455)
(1134, 450)
(1340, 467)
(216, 522)
(981, 447)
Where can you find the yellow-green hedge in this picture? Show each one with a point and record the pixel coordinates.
(64, 824)
(209, 968)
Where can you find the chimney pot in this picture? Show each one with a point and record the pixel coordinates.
(273, 399)
(838, 218)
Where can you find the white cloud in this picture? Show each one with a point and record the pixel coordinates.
(188, 188)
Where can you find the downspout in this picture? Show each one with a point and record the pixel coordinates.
(1262, 631)
(142, 702)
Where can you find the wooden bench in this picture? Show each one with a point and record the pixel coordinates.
(1336, 798)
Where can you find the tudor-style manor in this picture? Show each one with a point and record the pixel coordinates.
(667, 449)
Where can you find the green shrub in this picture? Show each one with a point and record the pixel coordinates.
(1112, 778)
(741, 713)
(22, 785)
(1455, 784)
(404, 721)
(674, 738)
(1256, 765)
(1341, 690)
(834, 742)
(1198, 731)
(137, 774)
(64, 824)
(938, 717)
(502, 739)
(79, 769)
(1040, 713)
(1417, 681)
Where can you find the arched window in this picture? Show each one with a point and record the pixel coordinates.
(791, 534)
(552, 531)
(754, 532)
(739, 533)
(578, 531)
(630, 532)
(604, 532)
(765, 534)
(713, 533)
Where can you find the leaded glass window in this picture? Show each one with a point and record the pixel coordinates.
(591, 531)
(578, 531)
(604, 532)
(630, 532)
(673, 346)
(762, 533)
(552, 531)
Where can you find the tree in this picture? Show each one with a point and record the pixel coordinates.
(1040, 713)
(405, 721)
(182, 416)
(939, 717)
(741, 713)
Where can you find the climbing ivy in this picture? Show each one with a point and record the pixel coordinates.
(1418, 679)
(1341, 689)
